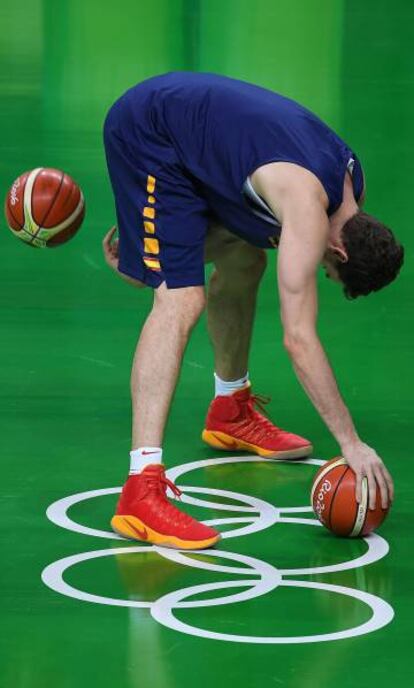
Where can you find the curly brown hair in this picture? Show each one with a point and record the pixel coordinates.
(374, 256)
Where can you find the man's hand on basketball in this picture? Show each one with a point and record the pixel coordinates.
(364, 461)
(110, 249)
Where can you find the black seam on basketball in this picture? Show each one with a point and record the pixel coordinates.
(25, 231)
(334, 494)
(13, 215)
(40, 224)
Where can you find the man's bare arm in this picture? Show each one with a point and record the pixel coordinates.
(297, 264)
(302, 245)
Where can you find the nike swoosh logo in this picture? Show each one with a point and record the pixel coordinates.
(230, 445)
(145, 453)
(142, 534)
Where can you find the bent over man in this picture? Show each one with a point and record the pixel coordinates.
(210, 169)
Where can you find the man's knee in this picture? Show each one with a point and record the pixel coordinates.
(183, 305)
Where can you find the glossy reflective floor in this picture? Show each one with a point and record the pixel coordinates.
(129, 615)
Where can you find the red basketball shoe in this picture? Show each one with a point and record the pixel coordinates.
(144, 513)
(233, 423)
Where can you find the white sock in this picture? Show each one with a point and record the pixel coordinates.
(224, 387)
(142, 457)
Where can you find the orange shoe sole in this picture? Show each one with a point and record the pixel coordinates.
(133, 528)
(220, 440)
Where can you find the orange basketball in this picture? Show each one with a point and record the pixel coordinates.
(44, 207)
(334, 503)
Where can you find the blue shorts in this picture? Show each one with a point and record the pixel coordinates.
(162, 217)
(180, 149)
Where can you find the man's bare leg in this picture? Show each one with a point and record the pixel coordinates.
(230, 311)
(231, 301)
(143, 511)
(158, 359)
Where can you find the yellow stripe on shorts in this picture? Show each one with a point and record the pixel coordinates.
(151, 245)
(149, 227)
(152, 263)
(150, 184)
(149, 212)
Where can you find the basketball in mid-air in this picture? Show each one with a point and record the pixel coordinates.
(44, 207)
(334, 502)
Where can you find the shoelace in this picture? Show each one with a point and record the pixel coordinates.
(159, 484)
(173, 487)
(259, 400)
(257, 426)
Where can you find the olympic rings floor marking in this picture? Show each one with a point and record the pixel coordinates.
(258, 515)
(52, 575)
(383, 613)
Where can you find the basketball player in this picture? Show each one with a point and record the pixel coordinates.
(207, 168)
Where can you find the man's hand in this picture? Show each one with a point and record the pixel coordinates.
(111, 254)
(364, 461)
(110, 249)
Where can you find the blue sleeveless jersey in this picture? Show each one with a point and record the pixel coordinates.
(212, 132)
